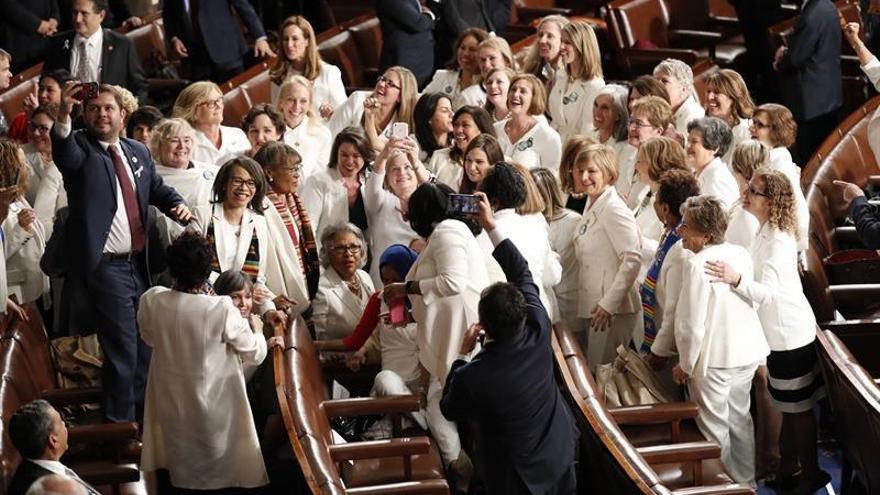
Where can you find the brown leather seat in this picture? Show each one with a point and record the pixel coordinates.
(235, 106)
(342, 51)
(12, 100)
(259, 88)
(368, 37)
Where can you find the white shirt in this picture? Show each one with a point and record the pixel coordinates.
(327, 88)
(57, 468)
(233, 142)
(447, 170)
(387, 225)
(716, 180)
(473, 95)
(312, 139)
(540, 146)
(94, 45)
(570, 104)
(689, 110)
(531, 236)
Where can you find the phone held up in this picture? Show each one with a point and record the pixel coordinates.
(400, 130)
(86, 91)
(466, 204)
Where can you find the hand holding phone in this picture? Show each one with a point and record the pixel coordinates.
(399, 130)
(86, 91)
(467, 204)
(397, 311)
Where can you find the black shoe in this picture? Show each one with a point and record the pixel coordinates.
(779, 482)
(822, 479)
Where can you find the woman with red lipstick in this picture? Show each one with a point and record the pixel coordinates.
(463, 71)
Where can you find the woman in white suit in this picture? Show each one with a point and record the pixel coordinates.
(719, 338)
(304, 131)
(444, 287)
(608, 246)
(201, 104)
(707, 141)
(789, 325)
(678, 79)
(525, 136)
(464, 70)
(336, 195)
(649, 117)
(200, 345)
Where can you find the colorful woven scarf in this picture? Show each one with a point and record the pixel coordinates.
(251, 266)
(648, 290)
(296, 219)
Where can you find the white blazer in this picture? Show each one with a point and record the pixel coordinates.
(667, 292)
(336, 311)
(446, 82)
(312, 140)
(194, 184)
(742, 226)
(628, 184)
(473, 95)
(780, 160)
(570, 104)
(740, 133)
(284, 270)
(872, 70)
(608, 246)
(327, 88)
(23, 250)
(716, 180)
(387, 223)
(447, 170)
(689, 110)
(45, 189)
(234, 142)
(196, 404)
(351, 112)
(539, 147)
(562, 233)
(785, 314)
(326, 200)
(714, 326)
(451, 272)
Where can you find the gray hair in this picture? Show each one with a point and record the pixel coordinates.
(56, 484)
(716, 133)
(706, 216)
(681, 71)
(30, 427)
(168, 128)
(619, 100)
(332, 231)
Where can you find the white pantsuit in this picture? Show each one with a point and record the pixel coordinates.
(780, 160)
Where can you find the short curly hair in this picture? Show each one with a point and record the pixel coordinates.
(332, 231)
(707, 217)
(780, 195)
(190, 258)
(504, 186)
(716, 134)
(269, 111)
(674, 187)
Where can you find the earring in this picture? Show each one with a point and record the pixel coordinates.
(270, 179)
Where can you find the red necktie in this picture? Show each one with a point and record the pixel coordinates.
(132, 211)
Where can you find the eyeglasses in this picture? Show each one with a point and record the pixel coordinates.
(757, 124)
(755, 192)
(636, 123)
(239, 182)
(388, 82)
(294, 170)
(218, 103)
(343, 249)
(42, 129)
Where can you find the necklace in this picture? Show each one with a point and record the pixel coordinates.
(354, 286)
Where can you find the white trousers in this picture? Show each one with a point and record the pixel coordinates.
(602, 346)
(723, 399)
(445, 433)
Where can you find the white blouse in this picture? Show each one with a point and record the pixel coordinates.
(233, 142)
(539, 147)
(689, 110)
(312, 140)
(716, 180)
(387, 223)
(327, 87)
(447, 170)
(194, 184)
(570, 104)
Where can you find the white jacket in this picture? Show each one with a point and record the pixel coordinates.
(326, 200)
(23, 251)
(284, 271)
(233, 142)
(327, 88)
(570, 104)
(336, 310)
(716, 180)
(541, 146)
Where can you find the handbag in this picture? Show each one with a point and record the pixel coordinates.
(630, 381)
(853, 266)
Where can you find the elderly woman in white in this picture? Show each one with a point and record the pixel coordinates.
(304, 131)
(719, 338)
(656, 156)
(678, 78)
(201, 104)
(344, 289)
(707, 141)
(572, 93)
(611, 118)
(526, 137)
(608, 246)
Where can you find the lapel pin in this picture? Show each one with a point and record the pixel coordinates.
(134, 159)
(67, 44)
(138, 171)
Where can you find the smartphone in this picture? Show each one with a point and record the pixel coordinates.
(463, 203)
(397, 311)
(400, 130)
(87, 91)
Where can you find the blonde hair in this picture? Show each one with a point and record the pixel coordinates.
(780, 197)
(129, 101)
(187, 103)
(539, 92)
(292, 81)
(748, 156)
(312, 68)
(14, 166)
(534, 63)
(489, 107)
(728, 82)
(657, 109)
(662, 154)
(586, 46)
(534, 202)
(499, 44)
(409, 92)
(168, 128)
(571, 152)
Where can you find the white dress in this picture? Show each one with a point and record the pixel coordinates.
(539, 147)
(716, 180)
(328, 88)
(570, 104)
(388, 225)
(312, 140)
(233, 143)
(197, 419)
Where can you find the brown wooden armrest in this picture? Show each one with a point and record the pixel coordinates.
(61, 397)
(696, 36)
(103, 432)
(654, 413)
(371, 405)
(731, 489)
(689, 57)
(680, 452)
(374, 449)
(843, 328)
(106, 473)
(426, 487)
(853, 293)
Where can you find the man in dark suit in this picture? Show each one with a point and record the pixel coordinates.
(29, 24)
(110, 182)
(206, 34)
(525, 432)
(40, 436)
(407, 37)
(93, 54)
(810, 69)
(459, 15)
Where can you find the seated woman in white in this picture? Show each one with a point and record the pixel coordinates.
(392, 100)
(300, 57)
(337, 194)
(344, 289)
(648, 118)
(727, 98)
(45, 185)
(448, 164)
(608, 246)
(304, 131)
(397, 173)
(572, 93)
(719, 337)
(463, 71)
(494, 53)
(748, 157)
(497, 86)
(708, 139)
(201, 104)
(678, 78)
(524, 137)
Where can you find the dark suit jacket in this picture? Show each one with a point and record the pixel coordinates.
(811, 65)
(20, 37)
(459, 15)
(509, 391)
(90, 182)
(120, 64)
(407, 37)
(25, 476)
(117, 13)
(219, 32)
